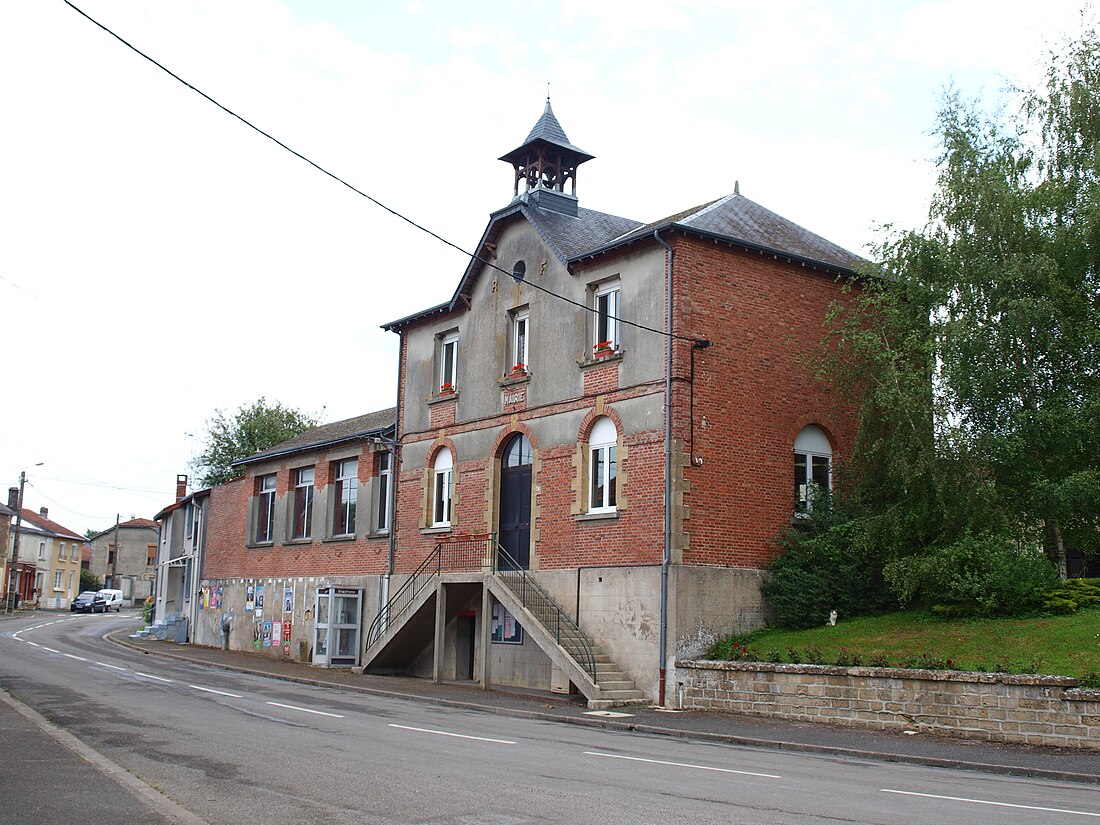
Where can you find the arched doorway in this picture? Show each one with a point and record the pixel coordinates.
(515, 500)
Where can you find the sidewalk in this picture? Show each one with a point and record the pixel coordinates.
(921, 749)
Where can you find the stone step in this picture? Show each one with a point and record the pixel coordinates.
(615, 685)
(623, 695)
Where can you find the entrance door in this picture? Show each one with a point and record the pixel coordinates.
(515, 502)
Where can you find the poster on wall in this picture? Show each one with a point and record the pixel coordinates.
(506, 630)
(250, 597)
(288, 599)
(276, 632)
(267, 633)
(259, 600)
(286, 638)
(257, 634)
(218, 598)
(204, 598)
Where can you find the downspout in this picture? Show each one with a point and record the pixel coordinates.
(395, 461)
(663, 640)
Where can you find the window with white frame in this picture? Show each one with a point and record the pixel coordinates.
(441, 488)
(605, 312)
(602, 466)
(41, 551)
(302, 525)
(265, 508)
(448, 362)
(347, 492)
(813, 468)
(521, 327)
(70, 582)
(62, 550)
(385, 490)
(57, 580)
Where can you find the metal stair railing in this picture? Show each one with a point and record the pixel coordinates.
(459, 554)
(539, 603)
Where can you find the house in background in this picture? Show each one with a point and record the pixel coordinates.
(49, 561)
(124, 558)
(296, 549)
(179, 562)
(621, 415)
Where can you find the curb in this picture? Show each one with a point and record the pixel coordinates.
(655, 730)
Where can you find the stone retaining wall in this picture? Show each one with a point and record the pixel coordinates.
(996, 707)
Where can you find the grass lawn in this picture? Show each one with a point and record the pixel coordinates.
(1055, 645)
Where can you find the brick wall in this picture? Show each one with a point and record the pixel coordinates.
(994, 707)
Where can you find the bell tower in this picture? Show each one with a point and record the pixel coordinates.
(545, 163)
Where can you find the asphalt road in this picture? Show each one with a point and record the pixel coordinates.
(237, 748)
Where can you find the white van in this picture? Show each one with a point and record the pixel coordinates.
(113, 599)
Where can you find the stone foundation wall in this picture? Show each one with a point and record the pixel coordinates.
(995, 707)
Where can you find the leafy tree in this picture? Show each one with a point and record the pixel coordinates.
(974, 348)
(251, 429)
(89, 582)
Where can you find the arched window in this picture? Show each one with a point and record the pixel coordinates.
(601, 466)
(813, 467)
(518, 452)
(441, 488)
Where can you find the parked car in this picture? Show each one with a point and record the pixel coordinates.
(88, 602)
(113, 598)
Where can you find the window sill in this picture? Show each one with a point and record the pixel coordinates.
(513, 380)
(436, 530)
(303, 540)
(263, 545)
(439, 399)
(594, 360)
(610, 515)
(331, 539)
(378, 534)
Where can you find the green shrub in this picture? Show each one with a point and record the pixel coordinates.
(824, 569)
(1058, 605)
(975, 576)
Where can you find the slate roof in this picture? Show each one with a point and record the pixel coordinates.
(738, 219)
(325, 435)
(6, 511)
(574, 236)
(548, 130)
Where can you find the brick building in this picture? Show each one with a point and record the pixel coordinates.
(295, 546)
(626, 409)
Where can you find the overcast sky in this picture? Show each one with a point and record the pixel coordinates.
(159, 260)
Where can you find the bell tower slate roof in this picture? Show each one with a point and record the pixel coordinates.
(545, 162)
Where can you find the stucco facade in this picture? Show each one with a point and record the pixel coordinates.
(124, 558)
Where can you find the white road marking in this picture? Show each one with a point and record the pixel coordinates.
(78, 658)
(36, 644)
(682, 765)
(307, 710)
(151, 676)
(50, 649)
(219, 692)
(456, 735)
(989, 802)
(112, 667)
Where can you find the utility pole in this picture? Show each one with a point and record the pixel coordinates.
(114, 564)
(9, 592)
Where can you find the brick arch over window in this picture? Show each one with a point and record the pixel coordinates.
(582, 481)
(440, 505)
(506, 433)
(590, 419)
(812, 419)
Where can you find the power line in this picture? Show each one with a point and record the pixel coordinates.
(356, 190)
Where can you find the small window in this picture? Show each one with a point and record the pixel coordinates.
(448, 363)
(602, 466)
(382, 518)
(519, 271)
(442, 488)
(41, 551)
(347, 491)
(61, 550)
(303, 504)
(605, 311)
(150, 555)
(521, 325)
(813, 470)
(57, 580)
(265, 508)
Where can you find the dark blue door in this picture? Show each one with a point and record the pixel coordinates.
(515, 502)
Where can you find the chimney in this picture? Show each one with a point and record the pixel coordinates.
(44, 512)
(13, 498)
(181, 487)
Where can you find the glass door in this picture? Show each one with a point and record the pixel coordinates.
(337, 626)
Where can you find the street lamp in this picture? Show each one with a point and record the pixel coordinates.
(8, 591)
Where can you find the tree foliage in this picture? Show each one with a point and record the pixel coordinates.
(974, 347)
(251, 429)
